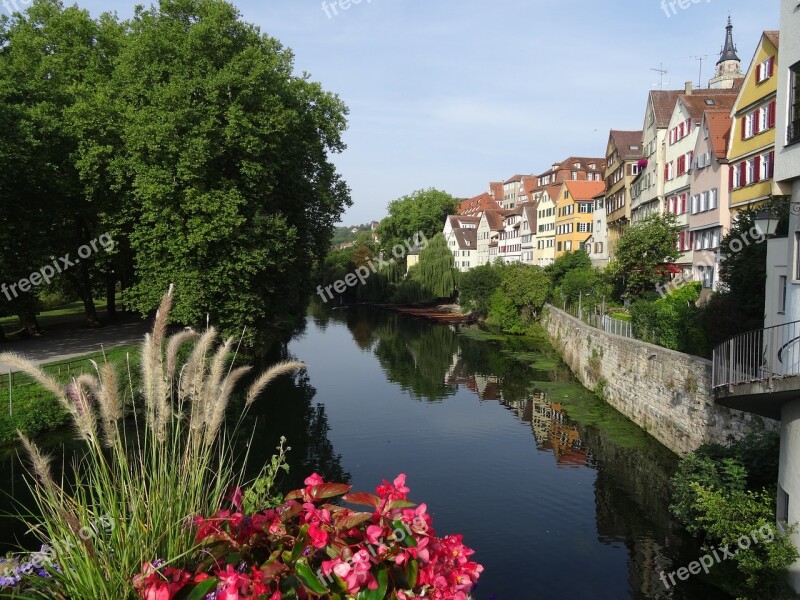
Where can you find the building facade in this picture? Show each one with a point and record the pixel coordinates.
(623, 153)
(752, 146)
(575, 215)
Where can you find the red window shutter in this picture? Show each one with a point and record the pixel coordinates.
(743, 174)
(683, 204)
(730, 177)
(757, 169)
(666, 172)
(771, 170)
(771, 110)
(744, 126)
(758, 73)
(771, 68)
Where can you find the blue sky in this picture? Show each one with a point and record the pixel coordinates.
(454, 94)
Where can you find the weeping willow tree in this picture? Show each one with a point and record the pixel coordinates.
(436, 272)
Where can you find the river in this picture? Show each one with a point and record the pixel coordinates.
(560, 496)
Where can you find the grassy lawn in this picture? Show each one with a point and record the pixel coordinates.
(34, 410)
(71, 312)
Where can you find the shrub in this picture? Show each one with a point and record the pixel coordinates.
(128, 497)
(731, 519)
(477, 286)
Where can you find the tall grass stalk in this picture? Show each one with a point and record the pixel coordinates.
(134, 489)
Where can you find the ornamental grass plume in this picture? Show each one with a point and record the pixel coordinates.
(150, 462)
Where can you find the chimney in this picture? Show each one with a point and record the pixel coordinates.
(688, 88)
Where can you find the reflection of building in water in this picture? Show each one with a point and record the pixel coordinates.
(554, 431)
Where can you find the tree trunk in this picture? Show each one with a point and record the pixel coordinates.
(85, 294)
(111, 296)
(30, 324)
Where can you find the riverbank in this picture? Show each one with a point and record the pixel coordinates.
(666, 393)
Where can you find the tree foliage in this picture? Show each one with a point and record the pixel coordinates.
(423, 211)
(569, 261)
(643, 251)
(436, 272)
(476, 287)
(184, 133)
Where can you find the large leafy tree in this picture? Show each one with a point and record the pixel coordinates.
(643, 251)
(230, 194)
(423, 212)
(53, 62)
(569, 261)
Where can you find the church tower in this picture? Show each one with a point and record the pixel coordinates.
(729, 67)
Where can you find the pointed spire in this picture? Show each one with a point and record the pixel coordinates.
(729, 50)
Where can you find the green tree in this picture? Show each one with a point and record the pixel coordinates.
(54, 66)
(569, 261)
(229, 190)
(476, 286)
(436, 272)
(587, 285)
(643, 251)
(739, 304)
(518, 301)
(424, 211)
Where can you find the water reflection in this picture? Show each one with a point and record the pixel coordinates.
(434, 363)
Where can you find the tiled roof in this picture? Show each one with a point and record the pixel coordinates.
(496, 189)
(585, 190)
(478, 204)
(773, 37)
(467, 239)
(719, 130)
(664, 101)
(495, 218)
(515, 178)
(698, 102)
(457, 220)
(624, 140)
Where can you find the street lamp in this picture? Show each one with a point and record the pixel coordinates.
(766, 221)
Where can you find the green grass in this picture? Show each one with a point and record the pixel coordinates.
(34, 410)
(621, 316)
(70, 312)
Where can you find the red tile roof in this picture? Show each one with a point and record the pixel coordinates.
(719, 130)
(495, 218)
(698, 102)
(774, 37)
(585, 190)
(513, 179)
(475, 206)
(624, 140)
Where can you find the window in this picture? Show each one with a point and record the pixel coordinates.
(708, 277)
(797, 255)
(574, 176)
(782, 294)
(765, 70)
(794, 107)
(748, 125)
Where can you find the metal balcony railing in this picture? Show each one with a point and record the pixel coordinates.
(761, 355)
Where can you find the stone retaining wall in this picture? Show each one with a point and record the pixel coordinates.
(665, 392)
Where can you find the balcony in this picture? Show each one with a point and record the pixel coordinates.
(759, 371)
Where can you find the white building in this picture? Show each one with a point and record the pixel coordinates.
(787, 178)
(461, 235)
(597, 245)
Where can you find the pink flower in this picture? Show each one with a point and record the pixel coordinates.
(319, 537)
(314, 479)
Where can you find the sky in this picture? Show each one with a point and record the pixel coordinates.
(453, 95)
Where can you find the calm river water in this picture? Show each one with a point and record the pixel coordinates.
(560, 496)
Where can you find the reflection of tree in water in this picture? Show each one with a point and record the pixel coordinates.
(415, 355)
(288, 410)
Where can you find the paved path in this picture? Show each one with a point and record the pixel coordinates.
(64, 344)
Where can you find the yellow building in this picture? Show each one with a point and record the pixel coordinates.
(752, 147)
(575, 214)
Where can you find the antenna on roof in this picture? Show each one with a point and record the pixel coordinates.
(700, 59)
(661, 72)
